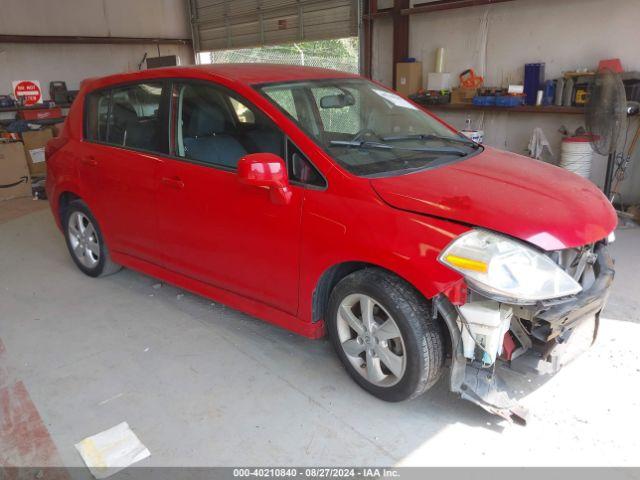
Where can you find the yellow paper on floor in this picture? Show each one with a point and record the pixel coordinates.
(112, 450)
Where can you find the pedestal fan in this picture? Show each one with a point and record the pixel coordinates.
(606, 114)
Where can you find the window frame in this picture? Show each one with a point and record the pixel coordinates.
(309, 186)
(259, 88)
(163, 114)
(255, 109)
(85, 114)
(169, 125)
(173, 127)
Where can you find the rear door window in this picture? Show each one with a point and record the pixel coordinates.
(135, 119)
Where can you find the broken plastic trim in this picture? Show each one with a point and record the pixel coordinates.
(481, 386)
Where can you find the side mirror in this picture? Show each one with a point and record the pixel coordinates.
(266, 170)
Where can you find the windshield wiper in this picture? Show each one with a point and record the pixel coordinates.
(368, 144)
(431, 136)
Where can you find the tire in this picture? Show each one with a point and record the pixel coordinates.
(419, 346)
(85, 241)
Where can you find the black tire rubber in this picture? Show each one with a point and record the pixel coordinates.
(423, 337)
(105, 265)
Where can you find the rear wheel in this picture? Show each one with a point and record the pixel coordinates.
(382, 331)
(85, 242)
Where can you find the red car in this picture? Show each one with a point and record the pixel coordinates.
(321, 202)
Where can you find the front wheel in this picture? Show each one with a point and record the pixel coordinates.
(382, 331)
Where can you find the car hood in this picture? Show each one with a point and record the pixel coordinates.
(525, 198)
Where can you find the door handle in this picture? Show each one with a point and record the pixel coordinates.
(89, 160)
(173, 182)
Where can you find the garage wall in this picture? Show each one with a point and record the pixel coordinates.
(72, 63)
(498, 40)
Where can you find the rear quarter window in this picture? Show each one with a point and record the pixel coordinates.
(96, 116)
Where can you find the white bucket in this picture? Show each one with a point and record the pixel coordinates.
(474, 135)
(577, 155)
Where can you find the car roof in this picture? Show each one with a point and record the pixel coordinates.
(246, 73)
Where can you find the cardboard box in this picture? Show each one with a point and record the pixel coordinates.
(635, 211)
(463, 95)
(438, 81)
(408, 77)
(34, 143)
(14, 173)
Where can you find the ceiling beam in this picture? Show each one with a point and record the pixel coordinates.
(367, 37)
(448, 5)
(81, 40)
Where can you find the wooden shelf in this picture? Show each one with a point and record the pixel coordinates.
(34, 107)
(522, 109)
(432, 6)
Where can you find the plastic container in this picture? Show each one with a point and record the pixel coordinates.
(484, 100)
(440, 60)
(486, 324)
(567, 93)
(533, 78)
(559, 92)
(549, 92)
(632, 89)
(474, 135)
(576, 155)
(509, 100)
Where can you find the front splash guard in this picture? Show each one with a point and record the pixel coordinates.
(481, 386)
(485, 388)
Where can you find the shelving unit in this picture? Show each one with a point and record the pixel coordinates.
(36, 107)
(550, 109)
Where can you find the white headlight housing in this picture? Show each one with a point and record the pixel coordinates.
(507, 269)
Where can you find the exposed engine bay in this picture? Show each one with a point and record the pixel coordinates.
(540, 337)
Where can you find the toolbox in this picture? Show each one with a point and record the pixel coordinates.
(40, 113)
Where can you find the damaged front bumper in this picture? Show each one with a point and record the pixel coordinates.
(540, 338)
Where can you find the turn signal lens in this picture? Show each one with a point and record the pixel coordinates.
(467, 263)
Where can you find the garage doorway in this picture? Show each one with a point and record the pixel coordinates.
(319, 33)
(339, 54)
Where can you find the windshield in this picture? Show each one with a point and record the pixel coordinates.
(367, 129)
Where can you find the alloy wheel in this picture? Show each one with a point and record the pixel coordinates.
(371, 340)
(83, 239)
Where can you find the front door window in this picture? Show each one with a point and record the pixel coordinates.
(216, 128)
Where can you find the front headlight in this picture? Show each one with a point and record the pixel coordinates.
(507, 269)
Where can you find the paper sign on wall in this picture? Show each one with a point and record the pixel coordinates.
(27, 92)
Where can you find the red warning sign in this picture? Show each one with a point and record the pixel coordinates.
(27, 92)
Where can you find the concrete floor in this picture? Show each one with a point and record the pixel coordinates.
(204, 385)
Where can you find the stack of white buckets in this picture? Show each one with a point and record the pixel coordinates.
(577, 155)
